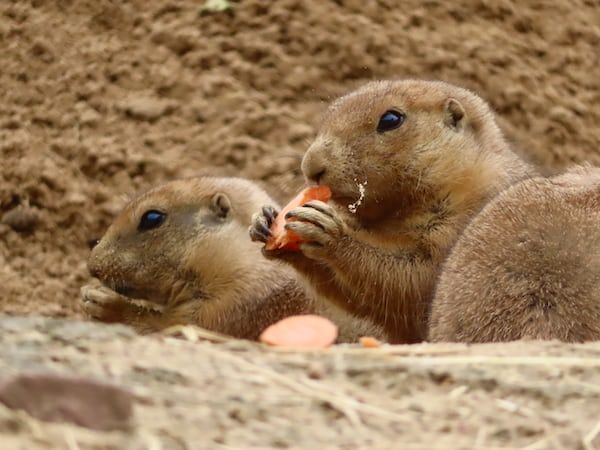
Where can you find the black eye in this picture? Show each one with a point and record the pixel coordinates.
(390, 120)
(92, 243)
(151, 219)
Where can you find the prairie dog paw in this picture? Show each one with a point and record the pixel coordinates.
(261, 224)
(102, 303)
(319, 227)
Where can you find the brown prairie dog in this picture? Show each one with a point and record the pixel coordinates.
(528, 266)
(183, 247)
(409, 163)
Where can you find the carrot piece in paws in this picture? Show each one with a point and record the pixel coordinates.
(282, 239)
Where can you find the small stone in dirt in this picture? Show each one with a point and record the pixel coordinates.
(43, 51)
(177, 43)
(89, 117)
(59, 398)
(216, 5)
(146, 108)
(22, 219)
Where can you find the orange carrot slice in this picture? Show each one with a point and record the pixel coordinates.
(369, 342)
(288, 240)
(305, 331)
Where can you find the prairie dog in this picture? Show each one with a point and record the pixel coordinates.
(183, 247)
(528, 266)
(409, 163)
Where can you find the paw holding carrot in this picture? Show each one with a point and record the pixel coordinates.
(307, 224)
(304, 225)
(282, 236)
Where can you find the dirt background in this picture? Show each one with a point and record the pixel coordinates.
(102, 98)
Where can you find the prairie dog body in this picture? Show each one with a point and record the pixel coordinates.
(409, 163)
(183, 247)
(528, 266)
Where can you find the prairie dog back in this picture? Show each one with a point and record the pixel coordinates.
(528, 266)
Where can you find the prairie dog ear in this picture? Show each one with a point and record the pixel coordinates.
(220, 205)
(454, 114)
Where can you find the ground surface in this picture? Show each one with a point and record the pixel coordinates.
(103, 98)
(200, 395)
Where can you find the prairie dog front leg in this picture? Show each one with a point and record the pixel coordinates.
(105, 305)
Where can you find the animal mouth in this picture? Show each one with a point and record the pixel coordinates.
(124, 290)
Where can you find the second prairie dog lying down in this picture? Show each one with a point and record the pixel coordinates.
(409, 163)
(527, 267)
(184, 247)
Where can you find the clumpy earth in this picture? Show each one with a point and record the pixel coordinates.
(102, 99)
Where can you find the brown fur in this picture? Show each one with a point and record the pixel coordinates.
(198, 267)
(528, 266)
(424, 181)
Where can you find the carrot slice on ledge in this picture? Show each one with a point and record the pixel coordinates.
(288, 240)
(305, 331)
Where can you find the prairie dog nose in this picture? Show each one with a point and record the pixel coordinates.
(313, 163)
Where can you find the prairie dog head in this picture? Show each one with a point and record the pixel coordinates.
(184, 240)
(398, 141)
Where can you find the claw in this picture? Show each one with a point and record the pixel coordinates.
(256, 235)
(270, 214)
(261, 223)
(325, 221)
(309, 232)
(263, 229)
(320, 206)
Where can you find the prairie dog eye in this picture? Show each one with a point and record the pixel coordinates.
(390, 120)
(151, 219)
